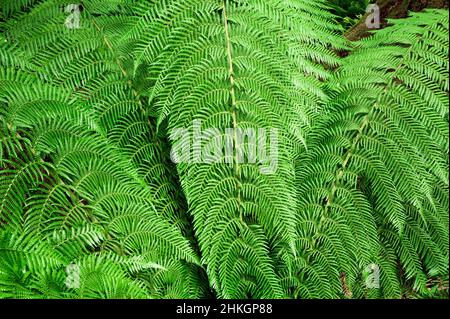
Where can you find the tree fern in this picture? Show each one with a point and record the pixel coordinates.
(377, 166)
(89, 119)
(210, 72)
(67, 176)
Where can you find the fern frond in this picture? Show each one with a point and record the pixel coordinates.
(376, 155)
(239, 66)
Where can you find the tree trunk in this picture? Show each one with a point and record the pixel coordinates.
(390, 9)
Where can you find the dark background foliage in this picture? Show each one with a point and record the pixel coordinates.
(350, 8)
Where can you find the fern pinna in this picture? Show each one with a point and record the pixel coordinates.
(87, 122)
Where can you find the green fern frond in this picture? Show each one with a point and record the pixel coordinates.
(376, 155)
(95, 202)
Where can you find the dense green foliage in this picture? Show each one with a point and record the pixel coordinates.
(349, 11)
(86, 178)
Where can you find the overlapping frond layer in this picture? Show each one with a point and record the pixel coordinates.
(289, 181)
(373, 184)
(10, 8)
(85, 61)
(64, 183)
(32, 268)
(225, 66)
